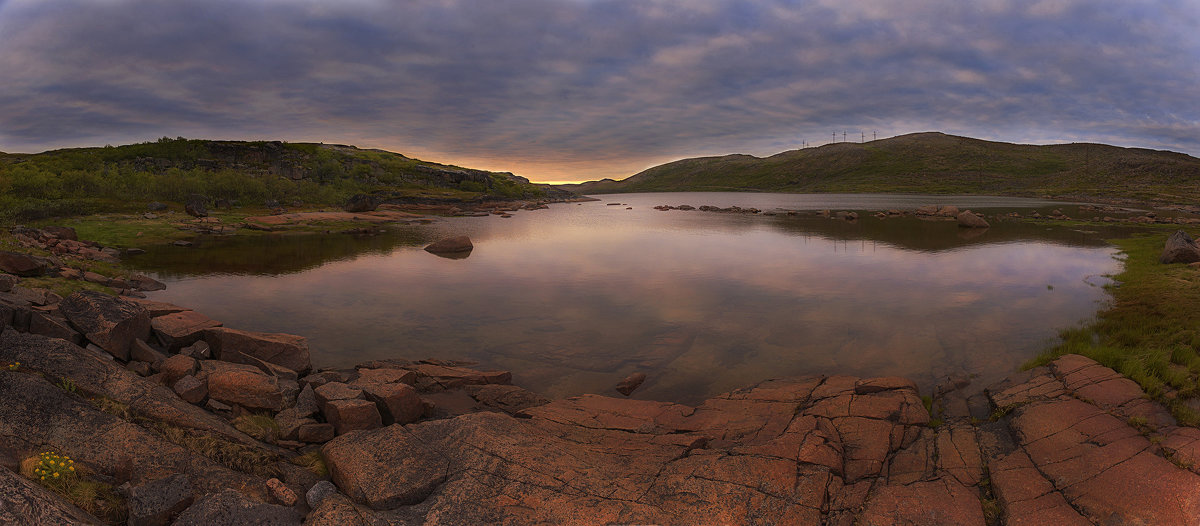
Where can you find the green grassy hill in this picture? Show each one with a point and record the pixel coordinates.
(87, 180)
(932, 163)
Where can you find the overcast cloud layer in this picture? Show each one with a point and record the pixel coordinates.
(581, 89)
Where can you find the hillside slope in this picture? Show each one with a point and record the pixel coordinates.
(81, 180)
(932, 163)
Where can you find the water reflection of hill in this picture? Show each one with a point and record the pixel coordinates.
(931, 235)
(269, 255)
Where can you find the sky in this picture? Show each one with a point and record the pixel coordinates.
(573, 90)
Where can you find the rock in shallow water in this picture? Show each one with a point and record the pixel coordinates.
(451, 245)
(631, 383)
(968, 219)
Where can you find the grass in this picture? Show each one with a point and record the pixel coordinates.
(314, 462)
(1151, 331)
(113, 407)
(260, 427)
(235, 456)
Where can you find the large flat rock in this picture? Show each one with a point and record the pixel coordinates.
(774, 453)
(1082, 451)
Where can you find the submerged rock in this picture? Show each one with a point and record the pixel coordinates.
(1180, 248)
(631, 383)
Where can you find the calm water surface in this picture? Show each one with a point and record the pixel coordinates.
(574, 298)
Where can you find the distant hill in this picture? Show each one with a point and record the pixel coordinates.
(931, 162)
(82, 180)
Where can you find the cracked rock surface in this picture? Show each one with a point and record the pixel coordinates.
(1073, 443)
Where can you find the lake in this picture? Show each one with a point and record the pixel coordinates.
(574, 298)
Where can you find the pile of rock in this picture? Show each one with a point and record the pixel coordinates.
(63, 241)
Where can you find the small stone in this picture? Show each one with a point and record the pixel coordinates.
(351, 415)
(140, 350)
(141, 368)
(316, 433)
(289, 423)
(321, 378)
(281, 493)
(335, 391)
(247, 387)
(7, 282)
(177, 367)
(198, 350)
(398, 403)
(306, 402)
(191, 389)
(180, 329)
(319, 492)
(213, 405)
(385, 376)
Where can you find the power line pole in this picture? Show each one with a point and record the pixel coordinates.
(834, 136)
(843, 135)
(864, 137)
(873, 136)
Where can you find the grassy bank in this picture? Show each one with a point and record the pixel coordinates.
(1151, 331)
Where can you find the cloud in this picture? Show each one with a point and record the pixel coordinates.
(575, 89)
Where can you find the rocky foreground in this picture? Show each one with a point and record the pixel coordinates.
(173, 418)
(1071, 443)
